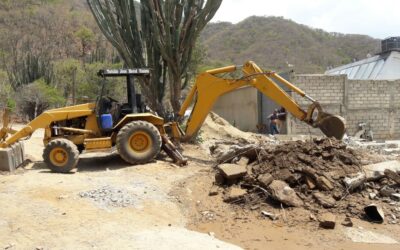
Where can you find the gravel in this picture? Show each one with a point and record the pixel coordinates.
(110, 196)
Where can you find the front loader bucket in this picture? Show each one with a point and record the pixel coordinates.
(12, 157)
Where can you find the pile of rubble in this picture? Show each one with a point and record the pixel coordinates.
(320, 175)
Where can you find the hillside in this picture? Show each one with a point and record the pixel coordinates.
(275, 42)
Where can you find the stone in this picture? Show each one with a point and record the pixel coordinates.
(213, 191)
(392, 175)
(347, 222)
(235, 194)
(265, 180)
(324, 200)
(243, 161)
(395, 196)
(324, 184)
(386, 191)
(232, 171)
(327, 221)
(376, 171)
(282, 192)
(270, 215)
(310, 183)
(354, 182)
(372, 196)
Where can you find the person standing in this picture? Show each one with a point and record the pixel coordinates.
(281, 118)
(273, 125)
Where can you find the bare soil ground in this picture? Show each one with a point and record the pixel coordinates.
(152, 206)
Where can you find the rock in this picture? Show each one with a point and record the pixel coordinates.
(324, 184)
(395, 196)
(283, 193)
(286, 175)
(310, 183)
(347, 222)
(324, 200)
(265, 180)
(372, 196)
(376, 171)
(354, 182)
(327, 221)
(232, 171)
(392, 175)
(243, 161)
(213, 191)
(270, 215)
(219, 178)
(386, 191)
(235, 194)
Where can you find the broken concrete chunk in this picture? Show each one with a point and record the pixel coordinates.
(347, 222)
(354, 182)
(265, 180)
(243, 161)
(232, 171)
(386, 191)
(327, 221)
(324, 184)
(283, 193)
(310, 183)
(324, 200)
(213, 191)
(234, 194)
(376, 171)
(270, 215)
(392, 175)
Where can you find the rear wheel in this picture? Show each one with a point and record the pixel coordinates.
(138, 142)
(61, 155)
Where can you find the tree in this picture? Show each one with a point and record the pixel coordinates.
(159, 34)
(37, 97)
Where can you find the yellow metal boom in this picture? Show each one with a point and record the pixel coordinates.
(209, 87)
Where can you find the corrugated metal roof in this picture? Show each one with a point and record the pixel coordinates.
(380, 67)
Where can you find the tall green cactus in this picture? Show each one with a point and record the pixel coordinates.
(121, 23)
(160, 34)
(176, 25)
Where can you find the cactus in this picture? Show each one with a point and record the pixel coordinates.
(159, 34)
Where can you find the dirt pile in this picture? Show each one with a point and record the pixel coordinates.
(318, 175)
(216, 128)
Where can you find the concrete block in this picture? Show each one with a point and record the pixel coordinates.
(11, 158)
(232, 171)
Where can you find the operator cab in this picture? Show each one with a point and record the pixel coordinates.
(115, 102)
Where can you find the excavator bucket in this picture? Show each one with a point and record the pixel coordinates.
(13, 156)
(332, 125)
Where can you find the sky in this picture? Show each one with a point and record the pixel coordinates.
(376, 18)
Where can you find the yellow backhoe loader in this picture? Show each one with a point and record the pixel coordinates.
(139, 135)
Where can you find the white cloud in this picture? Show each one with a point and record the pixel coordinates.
(378, 19)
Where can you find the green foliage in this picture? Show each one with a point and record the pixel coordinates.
(276, 43)
(35, 98)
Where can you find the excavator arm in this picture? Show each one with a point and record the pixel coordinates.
(209, 87)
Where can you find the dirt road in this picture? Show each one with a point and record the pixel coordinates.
(108, 204)
(129, 206)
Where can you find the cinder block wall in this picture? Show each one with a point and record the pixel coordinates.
(375, 102)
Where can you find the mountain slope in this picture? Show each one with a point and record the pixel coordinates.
(275, 42)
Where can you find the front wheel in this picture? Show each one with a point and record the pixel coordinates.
(61, 155)
(138, 142)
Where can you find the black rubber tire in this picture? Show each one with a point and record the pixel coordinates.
(70, 148)
(123, 144)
